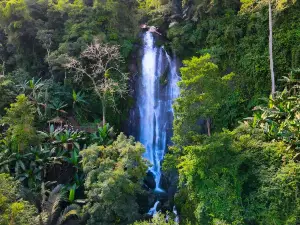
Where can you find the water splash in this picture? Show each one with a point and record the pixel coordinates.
(176, 215)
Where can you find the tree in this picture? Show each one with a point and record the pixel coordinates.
(100, 63)
(46, 39)
(7, 92)
(198, 98)
(13, 210)
(271, 49)
(13, 14)
(20, 118)
(114, 176)
(58, 107)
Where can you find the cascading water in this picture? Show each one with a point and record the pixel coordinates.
(153, 210)
(157, 88)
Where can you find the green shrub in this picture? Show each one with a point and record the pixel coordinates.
(114, 176)
(14, 210)
(20, 118)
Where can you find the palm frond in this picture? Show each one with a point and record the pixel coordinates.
(71, 210)
(52, 205)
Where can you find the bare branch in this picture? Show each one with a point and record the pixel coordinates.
(95, 63)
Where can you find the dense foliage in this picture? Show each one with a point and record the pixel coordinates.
(199, 100)
(240, 178)
(14, 210)
(246, 176)
(250, 173)
(114, 178)
(235, 34)
(66, 73)
(36, 36)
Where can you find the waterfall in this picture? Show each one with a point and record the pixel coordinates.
(176, 215)
(157, 88)
(153, 210)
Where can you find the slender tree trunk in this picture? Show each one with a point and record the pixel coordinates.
(208, 127)
(271, 49)
(177, 6)
(103, 112)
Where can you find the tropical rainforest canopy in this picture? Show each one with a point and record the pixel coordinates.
(67, 85)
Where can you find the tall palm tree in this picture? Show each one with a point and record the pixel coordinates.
(271, 49)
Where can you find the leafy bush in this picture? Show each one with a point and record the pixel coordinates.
(280, 120)
(114, 175)
(20, 118)
(199, 98)
(14, 210)
(238, 177)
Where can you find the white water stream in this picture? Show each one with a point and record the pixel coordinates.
(155, 103)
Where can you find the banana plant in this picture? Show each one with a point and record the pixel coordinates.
(78, 179)
(79, 105)
(73, 187)
(73, 159)
(46, 155)
(78, 99)
(51, 135)
(68, 138)
(32, 175)
(58, 107)
(30, 168)
(103, 136)
(37, 92)
(51, 210)
(280, 118)
(14, 162)
(31, 87)
(24, 168)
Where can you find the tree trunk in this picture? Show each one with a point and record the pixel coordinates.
(208, 127)
(177, 6)
(103, 113)
(271, 49)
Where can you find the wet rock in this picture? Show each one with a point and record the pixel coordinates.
(162, 195)
(151, 199)
(146, 217)
(171, 192)
(146, 200)
(164, 181)
(166, 206)
(150, 180)
(169, 184)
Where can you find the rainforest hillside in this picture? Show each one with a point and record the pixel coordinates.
(69, 72)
